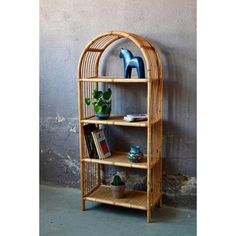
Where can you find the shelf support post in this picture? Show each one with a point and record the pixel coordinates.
(81, 139)
(149, 184)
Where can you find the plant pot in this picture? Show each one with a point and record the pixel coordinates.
(105, 113)
(102, 116)
(117, 191)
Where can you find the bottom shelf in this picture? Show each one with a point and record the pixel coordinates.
(132, 199)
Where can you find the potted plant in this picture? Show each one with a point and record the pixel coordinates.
(101, 102)
(117, 187)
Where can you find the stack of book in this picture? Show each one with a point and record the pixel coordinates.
(135, 117)
(96, 142)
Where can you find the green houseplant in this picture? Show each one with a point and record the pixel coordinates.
(117, 187)
(101, 102)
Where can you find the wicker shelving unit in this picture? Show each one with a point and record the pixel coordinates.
(88, 80)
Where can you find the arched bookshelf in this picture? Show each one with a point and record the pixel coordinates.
(88, 80)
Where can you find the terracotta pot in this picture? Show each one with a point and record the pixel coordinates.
(117, 191)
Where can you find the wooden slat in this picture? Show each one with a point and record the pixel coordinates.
(132, 198)
(119, 159)
(145, 47)
(115, 120)
(95, 50)
(109, 79)
(118, 79)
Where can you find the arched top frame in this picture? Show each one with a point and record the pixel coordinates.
(89, 60)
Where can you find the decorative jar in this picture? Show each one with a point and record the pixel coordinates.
(135, 154)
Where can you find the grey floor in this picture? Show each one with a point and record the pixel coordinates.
(61, 215)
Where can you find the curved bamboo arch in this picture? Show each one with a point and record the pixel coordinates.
(89, 60)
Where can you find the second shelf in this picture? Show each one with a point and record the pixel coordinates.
(115, 120)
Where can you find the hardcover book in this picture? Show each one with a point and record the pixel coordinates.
(88, 129)
(101, 144)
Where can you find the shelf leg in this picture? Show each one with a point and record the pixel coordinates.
(149, 215)
(82, 204)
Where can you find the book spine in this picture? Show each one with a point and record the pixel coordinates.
(92, 147)
(95, 153)
(88, 145)
(97, 145)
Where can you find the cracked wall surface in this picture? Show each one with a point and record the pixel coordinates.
(65, 28)
(59, 150)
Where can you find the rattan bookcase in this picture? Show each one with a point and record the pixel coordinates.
(88, 80)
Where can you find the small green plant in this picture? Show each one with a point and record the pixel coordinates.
(101, 101)
(117, 181)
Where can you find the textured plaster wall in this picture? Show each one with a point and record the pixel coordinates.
(65, 28)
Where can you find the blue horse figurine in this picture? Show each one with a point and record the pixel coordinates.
(132, 62)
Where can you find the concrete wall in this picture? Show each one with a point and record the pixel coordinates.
(66, 26)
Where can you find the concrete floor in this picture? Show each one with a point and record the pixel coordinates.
(61, 215)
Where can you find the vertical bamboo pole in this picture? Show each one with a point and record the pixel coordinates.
(81, 74)
(81, 140)
(98, 165)
(149, 153)
(160, 132)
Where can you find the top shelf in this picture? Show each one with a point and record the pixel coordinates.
(117, 79)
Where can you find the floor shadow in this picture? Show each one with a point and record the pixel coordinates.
(164, 214)
(105, 208)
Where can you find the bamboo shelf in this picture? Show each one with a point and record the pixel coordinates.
(114, 120)
(119, 159)
(88, 80)
(132, 199)
(117, 79)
